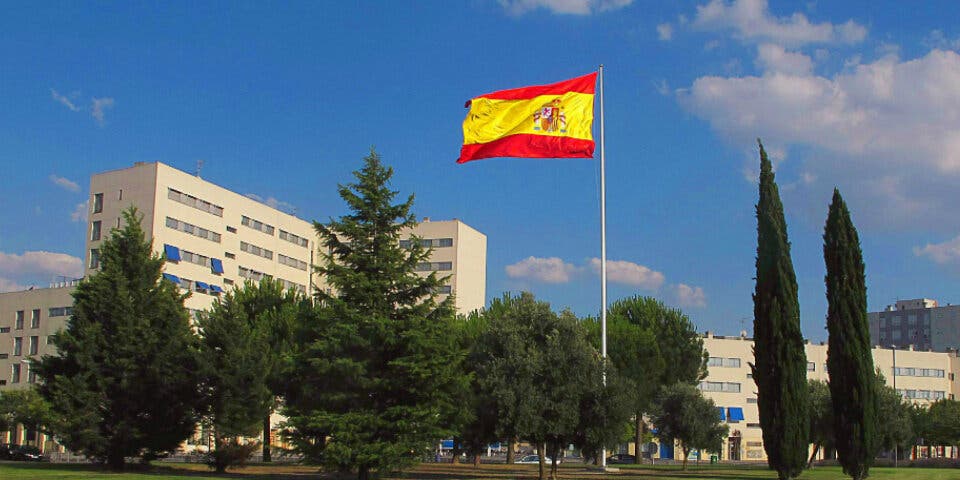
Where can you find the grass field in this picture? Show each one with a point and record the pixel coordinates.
(21, 471)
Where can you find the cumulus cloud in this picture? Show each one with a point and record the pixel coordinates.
(664, 31)
(273, 202)
(890, 129)
(563, 7)
(98, 108)
(937, 39)
(941, 253)
(629, 273)
(546, 270)
(686, 296)
(31, 267)
(751, 20)
(65, 183)
(79, 213)
(64, 100)
(774, 58)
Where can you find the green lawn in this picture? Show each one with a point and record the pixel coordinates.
(21, 471)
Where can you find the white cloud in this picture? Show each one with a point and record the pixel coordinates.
(65, 183)
(664, 31)
(547, 270)
(64, 100)
(7, 285)
(273, 202)
(936, 39)
(662, 87)
(563, 7)
(751, 20)
(889, 129)
(942, 253)
(98, 106)
(688, 297)
(79, 213)
(629, 273)
(36, 264)
(774, 58)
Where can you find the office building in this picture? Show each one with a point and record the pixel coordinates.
(920, 322)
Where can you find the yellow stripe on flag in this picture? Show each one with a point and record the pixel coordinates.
(492, 119)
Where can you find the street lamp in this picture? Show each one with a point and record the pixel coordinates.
(896, 445)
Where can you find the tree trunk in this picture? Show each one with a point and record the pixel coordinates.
(686, 453)
(476, 460)
(266, 438)
(511, 455)
(219, 459)
(813, 456)
(363, 473)
(116, 461)
(638, 440)
(455, 451)
(541, 456)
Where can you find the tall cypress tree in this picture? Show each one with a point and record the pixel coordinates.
(780, 368)
(125, 382)
(849, 360)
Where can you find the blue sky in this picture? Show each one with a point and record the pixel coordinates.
(282, 100)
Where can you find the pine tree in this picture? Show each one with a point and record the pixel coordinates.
(125, 380)
(849, 359)
(780, 368)
(378, 374)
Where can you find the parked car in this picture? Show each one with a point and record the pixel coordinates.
(534, 460)
(621, 458)
(6, 451)
(27, 453)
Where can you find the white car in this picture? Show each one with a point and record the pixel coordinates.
(534, 460)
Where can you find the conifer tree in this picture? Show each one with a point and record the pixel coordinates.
(780, 368)
(125, 382)
(849, 359)
(377, 376)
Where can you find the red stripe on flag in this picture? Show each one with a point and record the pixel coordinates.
(584, 84)
(528, 146)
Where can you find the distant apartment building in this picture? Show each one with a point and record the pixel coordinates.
(921, 377)
(920, 322)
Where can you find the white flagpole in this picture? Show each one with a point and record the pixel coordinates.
(603, 253)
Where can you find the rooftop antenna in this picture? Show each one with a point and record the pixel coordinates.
(199, 167)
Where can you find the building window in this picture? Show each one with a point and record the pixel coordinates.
(752, 400)
(723, 362)
(231, 229)
(15, 376)
(97, 202)
(257, 225)
(34, 345)
(429, 243)
(18, 324)
(292, 262)
(17, 346)
(728, 387)
(434, 266)
(31, 375)
(229, 255)
(811, 366)
(255, 250)
(94, 258)
(193, 230)
(294, 239)
(444, 290)
(251, 274)
(60, 311)
(753, 425)
(95, 230)
(35, 318)
(194, 202)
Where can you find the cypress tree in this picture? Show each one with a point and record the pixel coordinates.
(849, 360)
(780, 368)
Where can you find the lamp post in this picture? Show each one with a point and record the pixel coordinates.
(896, 445)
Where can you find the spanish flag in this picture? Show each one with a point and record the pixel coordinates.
(543, 121)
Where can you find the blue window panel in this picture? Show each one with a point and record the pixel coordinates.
(173, 253)
(446, 444)
(216, 288)
(202, 285)
(172, 278)
(722, 416)
(216, 265)
(735, 413)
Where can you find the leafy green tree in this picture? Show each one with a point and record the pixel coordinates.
(605, 411)
(125, 382)
(821, 418)
(28, 408)
(780, 368)
(378, 373)
(683, 413)
(944, 423)
(849, 358)
(897, 430)
(477, 419)
(238, 360)
(652, 346)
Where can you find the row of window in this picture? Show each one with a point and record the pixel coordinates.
(257, 225)
(429, 243)
(18, 346)
(723, 362)
(60, 312)
(922, 394)
(15, 374)
(729, 387)
(194, 202)
(292, 262)
(294, 239)
(896, 320)
(196, 258)
(255, 250)
(193, 230)
(434, 266)
(918, 372)
(251, 274)
(34, 319)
